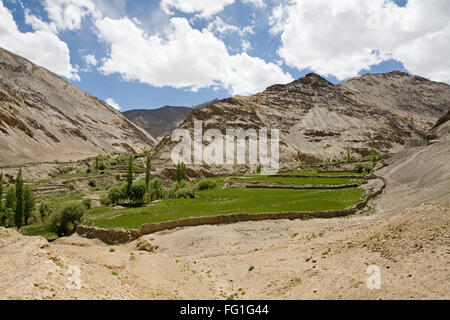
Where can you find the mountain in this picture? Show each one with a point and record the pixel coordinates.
(319, 120)
(162, 121)
(45, 118)
(422, 100)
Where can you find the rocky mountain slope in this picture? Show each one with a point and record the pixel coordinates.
(422, 100)
(162, 121)
(319, 120)
(44, 118)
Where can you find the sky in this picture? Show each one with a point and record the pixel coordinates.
(137, 54)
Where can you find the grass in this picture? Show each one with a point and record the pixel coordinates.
(314, 173)
(227, 201)
(302, 181)
(38, 230)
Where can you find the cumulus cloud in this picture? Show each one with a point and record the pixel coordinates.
(33, 45)
(204, 8)
(112, 103)
(341, 38)
(90, 60)
(256, 3)
(184, 58)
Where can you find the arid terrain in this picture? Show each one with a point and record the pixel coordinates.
(315, 259)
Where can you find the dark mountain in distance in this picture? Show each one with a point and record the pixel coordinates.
(159, 122)
(45, 118)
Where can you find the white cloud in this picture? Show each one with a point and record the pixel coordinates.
(68, 14)
(246, 45)
(42, 47)
(90, 59)
(256, 3)
(112, 103)
(341, 38)
(204, 8)
(221, 28)
(184, 58)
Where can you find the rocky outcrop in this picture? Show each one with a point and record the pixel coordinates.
(45, 118)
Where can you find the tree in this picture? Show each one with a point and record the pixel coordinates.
(1, 191)
(138, 190)
(130, 177)
(19, 212)
(156, 189)
(115, 194)
(65, 221)
(181, 172)
(148, 169)
(11, 199)
(29, 204)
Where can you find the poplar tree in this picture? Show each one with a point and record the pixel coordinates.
(19, 212)
(148, 168)
(130, 176)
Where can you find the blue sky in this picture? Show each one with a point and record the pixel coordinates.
(171, 52)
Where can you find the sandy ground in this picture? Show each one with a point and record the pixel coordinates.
(315, 259)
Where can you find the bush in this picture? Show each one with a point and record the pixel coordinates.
(206, 185)
(87, 203)
(115, 194)
(6, 217)
(102, 166)
(105, 200)
(368, 168)
(65, 221)
(156, 189)
(92, 183)
(359, 167)
(46, 208)
(181, 190)
(88, 170)
(138, 191)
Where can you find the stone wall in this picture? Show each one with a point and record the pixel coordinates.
(108, 236)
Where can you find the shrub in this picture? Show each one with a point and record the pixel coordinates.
(101, 166)
(181, 172)
(65, 221)
(115, 194)
(138, 191)
(92, 183)
(46, 208)
(105, 200)
(6, 217)
(181, 190)
(368, 168)
(87, 203)
(88, 170)
(156, 189)
(359, 167)
(206, 185)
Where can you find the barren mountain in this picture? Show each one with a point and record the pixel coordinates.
(423, 100)
(44, 118)
(318, 120)
(162, 121)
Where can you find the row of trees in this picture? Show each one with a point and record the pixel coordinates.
(19, 205)
(136, 192)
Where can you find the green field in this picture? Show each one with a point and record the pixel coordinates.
(227, 201)
(302, 181)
